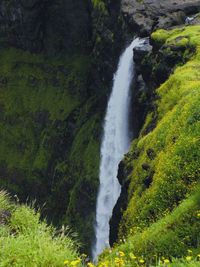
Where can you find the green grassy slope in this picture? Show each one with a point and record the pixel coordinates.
(162, 217)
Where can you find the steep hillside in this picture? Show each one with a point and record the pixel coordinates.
(162, 167)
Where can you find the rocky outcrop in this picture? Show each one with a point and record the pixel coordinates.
(145, 16)
(4, 217)
(121, 204)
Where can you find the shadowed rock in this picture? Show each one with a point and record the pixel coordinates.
(144, 16)
(4, 216)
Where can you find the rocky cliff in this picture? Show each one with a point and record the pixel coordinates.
(56, 67)
(53, 26)
(145, 16)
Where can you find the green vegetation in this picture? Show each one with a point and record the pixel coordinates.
(49, 138)
(162, 218)
(27, 241)
(100, 5)
(176, 234)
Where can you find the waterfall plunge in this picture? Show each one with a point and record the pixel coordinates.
(114, 145)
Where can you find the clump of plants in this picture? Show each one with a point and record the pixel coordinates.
(25, 240)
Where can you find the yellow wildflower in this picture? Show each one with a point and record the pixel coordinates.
(132, 256)
(188, 258)
(66, 262)
(166, 261)
(75, 262)
(89, 264)
(121, 254)
(119, 262)
(141, 261)
(104, 264)
(198, 256)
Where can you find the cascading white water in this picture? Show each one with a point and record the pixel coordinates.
(114, 145)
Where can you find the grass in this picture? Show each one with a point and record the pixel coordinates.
(37, 92)
(39, 83)
(174, 170)
(27, 241)
(172, 236)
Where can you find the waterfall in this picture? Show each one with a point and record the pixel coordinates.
(115, 144)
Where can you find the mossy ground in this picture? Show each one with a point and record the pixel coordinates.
(162, 217)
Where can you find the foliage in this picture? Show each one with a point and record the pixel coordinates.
(26, 241)
(100, 5)
(5, 203)
(174, 235)
(44, 109)
(169, 152)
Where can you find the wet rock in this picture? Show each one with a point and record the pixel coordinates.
(148, 180)
(121, 202)
(145, 166)
(53, 26)
(141, 51)
(3, 80)
(151, 153)
(4, 216)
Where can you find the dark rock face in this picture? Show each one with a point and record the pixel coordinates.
(108, 39)
(50, 25)
(144, 16)
(141, 95)
(4, 216)
(121, 204)
(141, 51)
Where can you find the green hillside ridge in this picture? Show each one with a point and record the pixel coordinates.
(162, 218)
